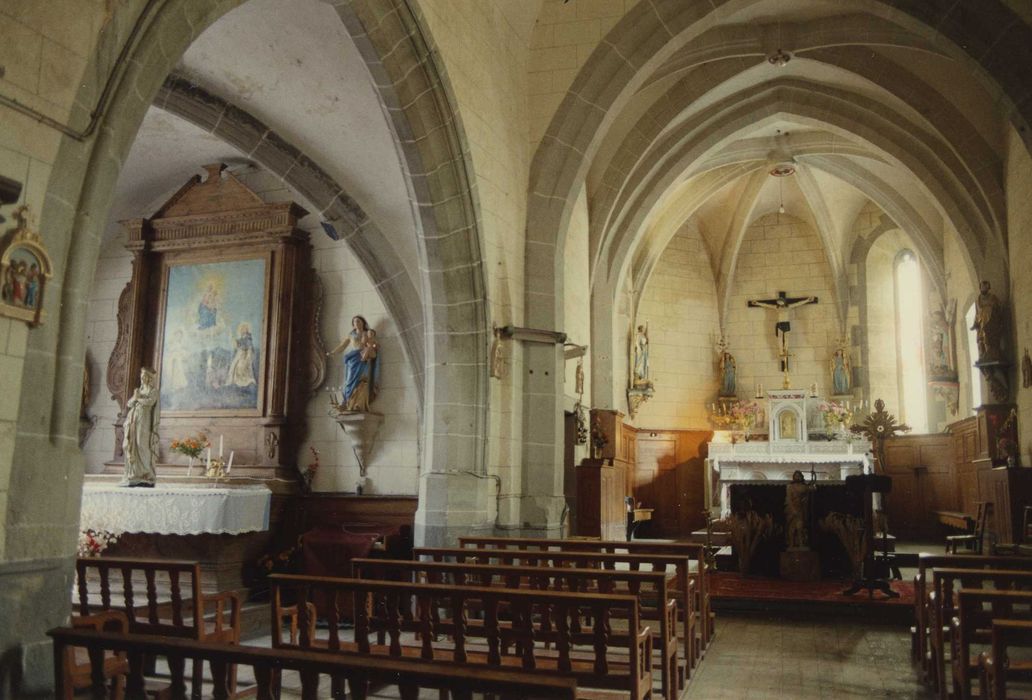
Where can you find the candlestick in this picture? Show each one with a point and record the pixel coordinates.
(230, 465)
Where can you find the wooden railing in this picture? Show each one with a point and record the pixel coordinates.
(519, 619)
(356, 673)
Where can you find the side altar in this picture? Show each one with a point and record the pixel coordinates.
(796, 440)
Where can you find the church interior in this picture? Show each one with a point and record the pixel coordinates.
(518, 348)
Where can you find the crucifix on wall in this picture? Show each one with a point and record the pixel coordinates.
(782, 304)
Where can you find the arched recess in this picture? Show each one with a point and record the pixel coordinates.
(43, 503)
(300, 171)
(991, 40)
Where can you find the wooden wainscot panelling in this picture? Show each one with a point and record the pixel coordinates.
(339, 509)
(923, 482)
(964, 441)
(668, 476)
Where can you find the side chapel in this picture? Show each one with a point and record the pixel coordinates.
(673, 311)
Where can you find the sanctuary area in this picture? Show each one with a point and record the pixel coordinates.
(519, 348)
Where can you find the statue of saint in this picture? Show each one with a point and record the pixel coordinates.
(797, 512)
(728, 369)
(361, 366)
(840, 372)
(497, 356)
(579, 378)
(943, 348)
(988, 324)
(641, 356)
(140, 443)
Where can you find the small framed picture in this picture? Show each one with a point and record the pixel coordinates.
(25, 270)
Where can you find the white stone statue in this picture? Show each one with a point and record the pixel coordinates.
(140, 443)
(641, 356)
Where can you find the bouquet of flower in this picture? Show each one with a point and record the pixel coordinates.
(836, 415)
(93, 542)
(190, 446)
(744, 414)
(308, 475)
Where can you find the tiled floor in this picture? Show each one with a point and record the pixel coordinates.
(754, 657)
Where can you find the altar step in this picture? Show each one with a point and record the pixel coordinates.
(717, 539)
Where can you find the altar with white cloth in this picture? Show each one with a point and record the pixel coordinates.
(180, 509)
(729, 463)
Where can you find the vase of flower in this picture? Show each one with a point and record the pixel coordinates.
(190, 447)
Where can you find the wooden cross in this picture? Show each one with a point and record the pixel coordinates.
(782, 303)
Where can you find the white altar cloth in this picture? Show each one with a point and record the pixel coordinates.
(766, 461)
(176, 510)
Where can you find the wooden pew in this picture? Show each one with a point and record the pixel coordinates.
(655, 597)
(91, 668)
(972, 624)
(357, 673)
(696, 551)
(685, 592)
(998, 665)
(586, 655)
(927, 562)
(148, 610)
(945, 584)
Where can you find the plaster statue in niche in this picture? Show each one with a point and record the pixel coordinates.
(840, 372)
(361, 366)
(988, 324)
(140, 443)
(641, 356)
(943, 363)
(728, 369)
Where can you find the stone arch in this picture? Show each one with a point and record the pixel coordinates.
(298, 170)
(986, 39)
(415, 94)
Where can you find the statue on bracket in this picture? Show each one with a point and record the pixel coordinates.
(140, 443)
(943, 363)
(841, 375)
(728, 369)
(988, 324)
(361, 366)
(640, 388)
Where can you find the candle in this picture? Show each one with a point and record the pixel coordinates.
(230, 465)
(220, 445)
(209, 458)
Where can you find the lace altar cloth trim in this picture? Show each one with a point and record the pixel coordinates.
(812, 458)
(175, 510)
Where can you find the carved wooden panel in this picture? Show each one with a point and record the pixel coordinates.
(116, 369)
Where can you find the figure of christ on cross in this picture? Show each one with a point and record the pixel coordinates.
(782, 304)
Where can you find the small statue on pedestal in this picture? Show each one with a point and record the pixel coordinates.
(797, 512)
(988, 324)
(140, 443)
(361, 366)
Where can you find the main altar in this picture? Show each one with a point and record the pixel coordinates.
(790, 435)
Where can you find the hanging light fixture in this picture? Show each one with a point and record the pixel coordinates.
(782, 170)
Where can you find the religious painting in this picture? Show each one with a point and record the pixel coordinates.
(24, 272)
(212, 338)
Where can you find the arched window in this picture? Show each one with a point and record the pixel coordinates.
(972, 340)
(913, 387)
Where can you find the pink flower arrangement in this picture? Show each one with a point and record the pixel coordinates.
(835, 414)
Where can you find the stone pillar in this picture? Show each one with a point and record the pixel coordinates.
(452, 504)
(542, 501)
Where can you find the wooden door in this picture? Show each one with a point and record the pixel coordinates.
(922, 483)
(669, 477)
(655, 482)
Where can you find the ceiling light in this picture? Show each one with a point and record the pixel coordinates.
(779, 58)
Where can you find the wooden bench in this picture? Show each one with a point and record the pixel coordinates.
(357, 673)
(696, 551)
(511, 618)
(655, 598)
(927, 562)
(942, 601)
(160, 607)
(972, 624)
(684, 589)
(998, 665)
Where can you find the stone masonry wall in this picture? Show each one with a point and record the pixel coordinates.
(563, 38)
(486, 56)
(348, 290)
(1019, 230)
(782, 253)
(679, 303)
